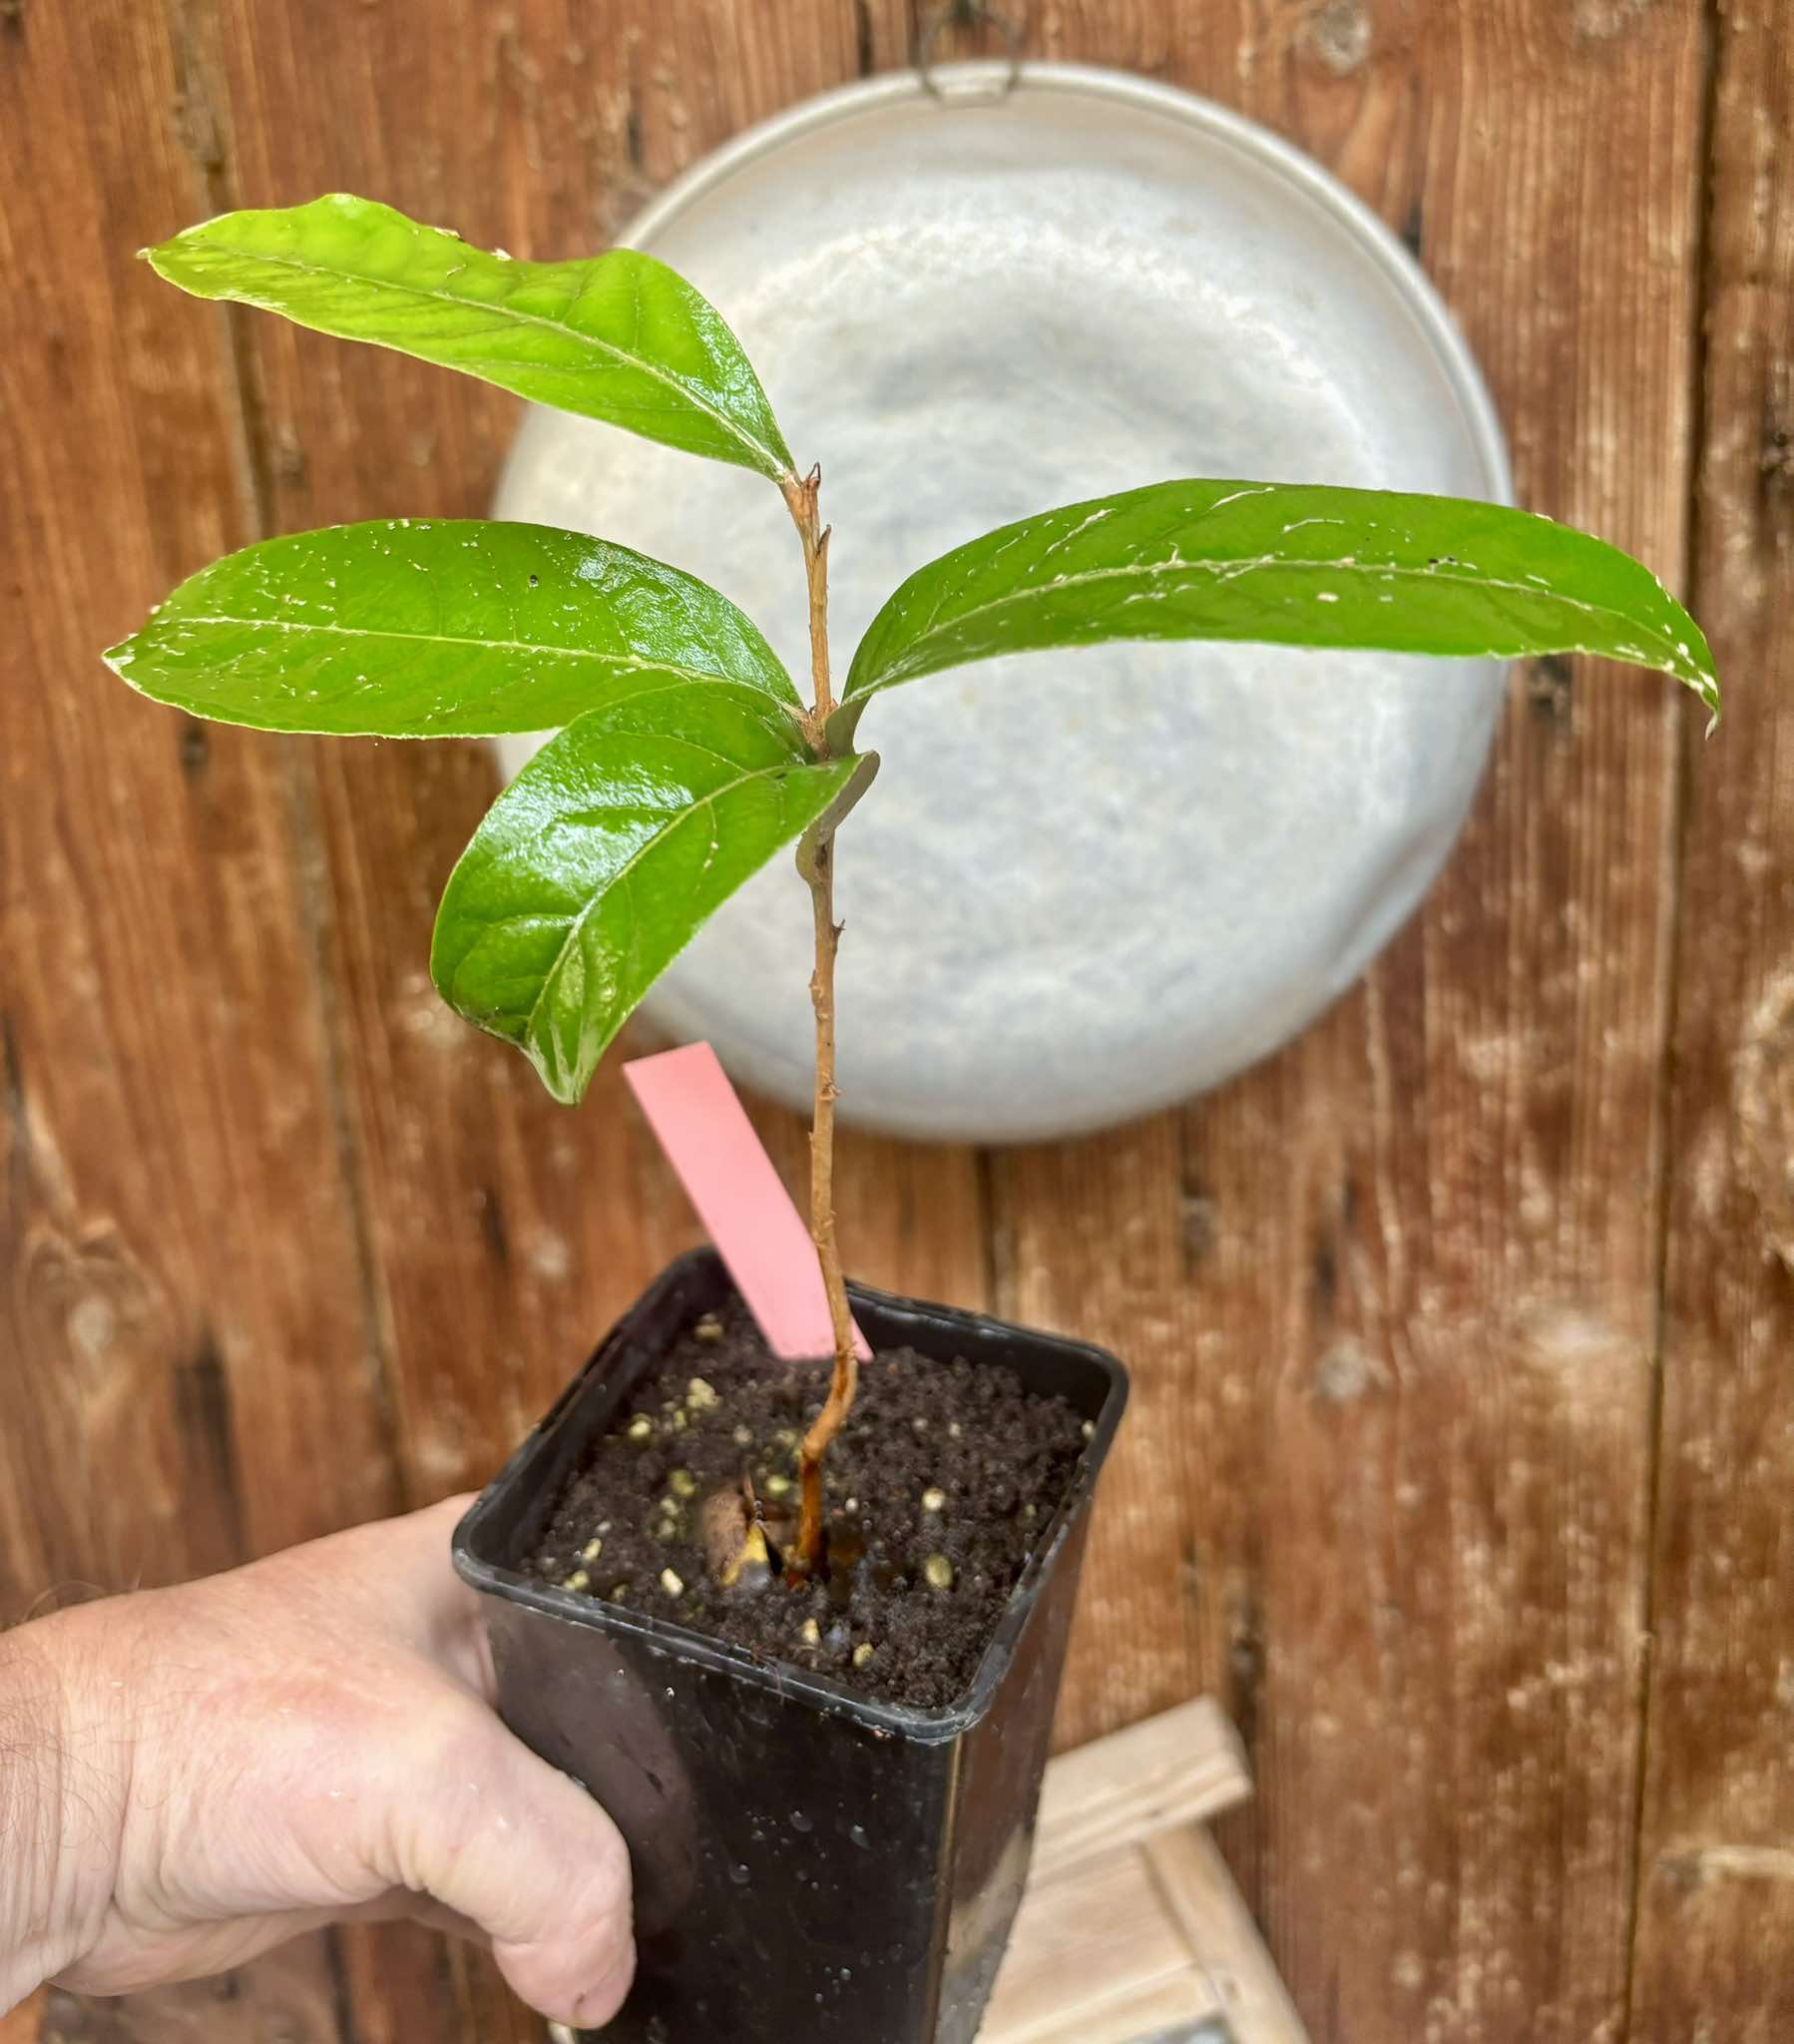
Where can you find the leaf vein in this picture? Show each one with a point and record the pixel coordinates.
(511, 312)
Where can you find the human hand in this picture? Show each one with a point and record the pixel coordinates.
(197, 1774)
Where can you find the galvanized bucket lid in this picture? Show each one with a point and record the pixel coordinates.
(1087, 885)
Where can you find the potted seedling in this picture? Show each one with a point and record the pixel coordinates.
(804, 1645)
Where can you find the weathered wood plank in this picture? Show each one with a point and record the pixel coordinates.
(1200, 1891)
(1096, 1951)
(1715, 1945)
(168, 1111)
(1084, 1943)
(25, 2024)
(1166, 1773)
(289, 1993)
(504, 1233)
(1390, 1299)
(187, 1364)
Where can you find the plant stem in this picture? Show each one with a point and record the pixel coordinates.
(819, 870)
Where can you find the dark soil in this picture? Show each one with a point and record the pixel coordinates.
(916, 1582)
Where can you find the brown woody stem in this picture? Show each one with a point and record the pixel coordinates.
(819, 869)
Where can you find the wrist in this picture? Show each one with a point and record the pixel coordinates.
(64, 1764)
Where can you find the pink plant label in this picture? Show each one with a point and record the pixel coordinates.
(701, 1124)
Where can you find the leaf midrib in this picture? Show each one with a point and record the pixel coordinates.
(1397, 570)
(695, 674)
(622, 873)
(510, 312)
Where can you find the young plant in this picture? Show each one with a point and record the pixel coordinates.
(684, 757)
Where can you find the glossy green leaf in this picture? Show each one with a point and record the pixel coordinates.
(617, 336)
(439, 627)
(596, 867)
(1293, 564)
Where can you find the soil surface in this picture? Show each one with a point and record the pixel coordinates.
(936, 1492)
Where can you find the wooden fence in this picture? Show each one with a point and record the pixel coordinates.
(1462, 1466)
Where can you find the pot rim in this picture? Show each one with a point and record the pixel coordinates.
(681, 1643)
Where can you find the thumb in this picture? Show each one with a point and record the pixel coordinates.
(504, 1840)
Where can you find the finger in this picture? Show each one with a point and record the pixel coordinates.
(499, 1837)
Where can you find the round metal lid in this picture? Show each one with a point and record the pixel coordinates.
(1089, 884)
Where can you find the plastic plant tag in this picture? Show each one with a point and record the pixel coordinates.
(702, 1127)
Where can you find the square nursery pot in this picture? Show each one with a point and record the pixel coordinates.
(808, 1864)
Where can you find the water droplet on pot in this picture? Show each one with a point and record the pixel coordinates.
(857, 1833)
(801, 1823)
(740, 1874)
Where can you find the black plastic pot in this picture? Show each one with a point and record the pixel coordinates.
(809, 1865)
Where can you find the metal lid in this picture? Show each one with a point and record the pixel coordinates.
(1085, 885)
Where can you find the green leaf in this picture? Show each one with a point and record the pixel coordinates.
(596, 867)
(618, 337)
(439, 627)
(1294, 563)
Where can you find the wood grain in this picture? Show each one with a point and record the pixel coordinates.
(502, 1234)
(283, 1245)
(187, 1366)
(290, 1994)
(1715, 1950)
(182, 1282)
(25, 2024)
(1131, 1927)
(1199, 1892)
(1180, 2004)
(1076, 1941)
(1390, 1299)
(1178, 1769)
